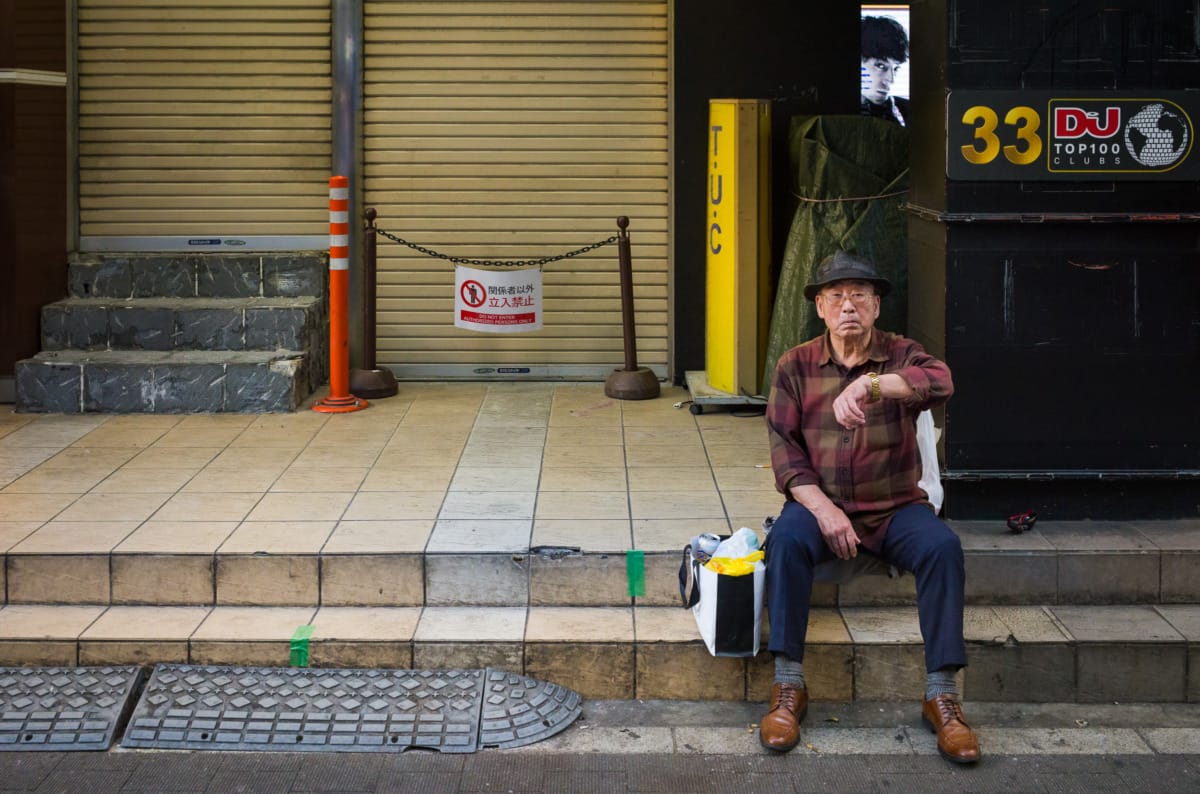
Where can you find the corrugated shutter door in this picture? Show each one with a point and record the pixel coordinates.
(518, 129)
(203, 117)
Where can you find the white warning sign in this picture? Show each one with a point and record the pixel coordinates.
(498, 301)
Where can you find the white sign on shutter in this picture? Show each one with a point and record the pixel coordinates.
(498, 301)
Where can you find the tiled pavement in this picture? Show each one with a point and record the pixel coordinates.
(471, 525)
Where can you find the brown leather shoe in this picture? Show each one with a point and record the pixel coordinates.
(956, 741)
(780, 728)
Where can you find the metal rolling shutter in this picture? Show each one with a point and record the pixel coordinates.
(518, 129)
(203, 118)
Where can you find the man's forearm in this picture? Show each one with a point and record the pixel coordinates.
(894, 387)
(813, 498)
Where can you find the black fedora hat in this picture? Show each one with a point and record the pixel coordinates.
(842, 267)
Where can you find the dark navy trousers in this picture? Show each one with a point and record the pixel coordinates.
(916, 541)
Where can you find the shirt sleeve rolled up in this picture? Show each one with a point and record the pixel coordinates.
(789, 456)
(928, 378)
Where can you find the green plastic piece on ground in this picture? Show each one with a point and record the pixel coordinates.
(299, 657)
(635, 572)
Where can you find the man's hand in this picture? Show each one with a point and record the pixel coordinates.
(835, 526)
(839, 535)
(848, 407)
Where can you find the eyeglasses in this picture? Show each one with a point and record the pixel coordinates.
(857, 297)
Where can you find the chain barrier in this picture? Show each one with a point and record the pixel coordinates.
(459, 260)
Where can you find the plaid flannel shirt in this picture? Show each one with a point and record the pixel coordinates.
(870, 471)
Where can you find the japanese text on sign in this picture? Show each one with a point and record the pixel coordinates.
(498, 301)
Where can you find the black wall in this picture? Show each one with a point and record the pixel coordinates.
(802, 56)
(33, 178)
(1071, 332)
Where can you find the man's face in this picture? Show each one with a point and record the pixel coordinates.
(849, 309)
(878, 74)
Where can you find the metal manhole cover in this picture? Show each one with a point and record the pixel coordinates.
(290, 709)
(519, 710)
(63, 708)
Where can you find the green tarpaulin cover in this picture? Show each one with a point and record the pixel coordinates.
(849, 175)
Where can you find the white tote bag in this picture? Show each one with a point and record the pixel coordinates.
(728, 609)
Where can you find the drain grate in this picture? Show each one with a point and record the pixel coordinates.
(519, 710)
(241, 708)
(52, 708)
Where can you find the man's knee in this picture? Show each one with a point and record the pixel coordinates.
(924, 542)
(946, 551)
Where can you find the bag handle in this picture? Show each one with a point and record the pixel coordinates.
(689, 600)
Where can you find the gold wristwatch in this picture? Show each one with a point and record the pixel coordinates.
(876, 394)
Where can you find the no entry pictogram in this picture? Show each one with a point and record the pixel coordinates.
(472, 293)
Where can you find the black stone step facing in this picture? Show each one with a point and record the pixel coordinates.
(180, 333)
(294, 323)
(167, 275)
(135, 381)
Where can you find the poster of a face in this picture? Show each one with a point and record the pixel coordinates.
(884, 76)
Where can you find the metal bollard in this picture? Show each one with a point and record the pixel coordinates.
(632, 382)
(371, 381)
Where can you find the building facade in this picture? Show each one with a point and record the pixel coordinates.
(524, 129)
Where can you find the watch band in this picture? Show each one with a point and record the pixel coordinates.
(876, 393)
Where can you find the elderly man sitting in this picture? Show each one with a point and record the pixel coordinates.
(841, 417)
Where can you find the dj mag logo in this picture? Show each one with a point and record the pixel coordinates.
(1157, 136)
(1099, 136)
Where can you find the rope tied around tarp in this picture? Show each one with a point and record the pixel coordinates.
(461, 260)
(847, 198)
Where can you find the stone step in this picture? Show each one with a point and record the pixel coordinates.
(138, 381)
(231, 549)
(1086, 654)
(168, 275)
(185, 324)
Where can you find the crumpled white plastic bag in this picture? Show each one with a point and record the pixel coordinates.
(931, 480)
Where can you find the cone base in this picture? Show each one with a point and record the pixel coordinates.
(340, 405)
(373, 383)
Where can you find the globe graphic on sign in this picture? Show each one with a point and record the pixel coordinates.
(1156, 136)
